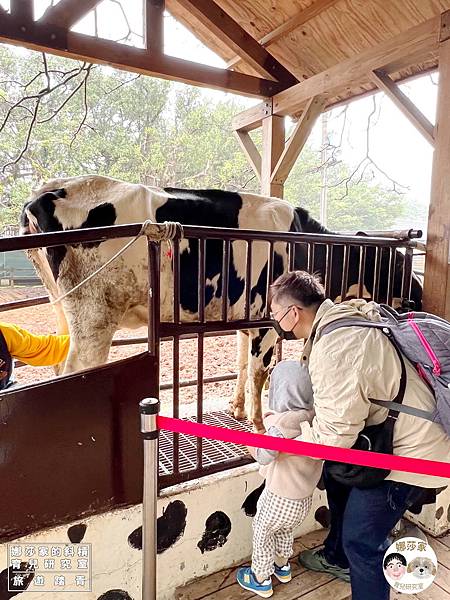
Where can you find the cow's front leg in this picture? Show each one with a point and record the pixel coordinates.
(262, 344)
(237, 406)
(91, 333)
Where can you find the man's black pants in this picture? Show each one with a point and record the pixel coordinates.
(361, 521)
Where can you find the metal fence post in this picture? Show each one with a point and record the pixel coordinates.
(149, 409)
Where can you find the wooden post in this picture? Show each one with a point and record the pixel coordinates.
(272, 149)
(437, 281)
(22, 9)
(154, 25)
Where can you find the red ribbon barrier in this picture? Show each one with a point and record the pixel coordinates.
(289, 446)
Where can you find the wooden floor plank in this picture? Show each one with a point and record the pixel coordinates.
(442, 552)
(333, 590)
(314, 539)
(445, 540)
(434, 592)
(443, 578)
(303, 583)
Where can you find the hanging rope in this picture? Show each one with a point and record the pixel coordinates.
(156, 232)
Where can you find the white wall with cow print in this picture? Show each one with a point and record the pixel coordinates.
(203, 527)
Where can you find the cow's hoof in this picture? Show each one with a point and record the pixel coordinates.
(258, 427)
(239, 413)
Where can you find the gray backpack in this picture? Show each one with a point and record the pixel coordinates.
(422, 338)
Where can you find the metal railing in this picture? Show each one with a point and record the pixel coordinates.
(342, 261)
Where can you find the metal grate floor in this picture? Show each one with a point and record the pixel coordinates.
(213, 452)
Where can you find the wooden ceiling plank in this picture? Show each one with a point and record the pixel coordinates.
(298, 139)
(250, 150)
(404, 49)
(68, 12)
(404, 104)
(312, 11)
(250, 119)
(78, 46)
(294, 22)
(210, 15)
(22, 9)
(154, 25)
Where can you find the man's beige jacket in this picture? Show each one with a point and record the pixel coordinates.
(350, 365)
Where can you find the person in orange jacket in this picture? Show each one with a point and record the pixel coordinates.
(35, 350)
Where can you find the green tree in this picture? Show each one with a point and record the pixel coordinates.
(142, 129)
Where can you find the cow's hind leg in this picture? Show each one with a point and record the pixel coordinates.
(237, 406)
(262, 344)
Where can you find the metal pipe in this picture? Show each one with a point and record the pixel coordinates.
(102, 234)
(399, 234)
(344, 284)
(149, 409)
(225, 278)
(248, 281)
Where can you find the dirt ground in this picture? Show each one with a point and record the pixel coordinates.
(219, 355)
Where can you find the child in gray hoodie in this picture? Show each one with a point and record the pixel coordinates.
(290, 481)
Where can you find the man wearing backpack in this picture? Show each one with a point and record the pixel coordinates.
(349, 366)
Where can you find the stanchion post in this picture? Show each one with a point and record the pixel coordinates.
(149, 409)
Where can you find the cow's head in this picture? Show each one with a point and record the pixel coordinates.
(416, 285)
(37, 216)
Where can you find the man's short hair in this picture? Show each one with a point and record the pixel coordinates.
(298, 287)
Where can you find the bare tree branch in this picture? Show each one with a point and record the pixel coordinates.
(367, 160)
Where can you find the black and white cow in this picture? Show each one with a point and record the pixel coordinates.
(117, 297)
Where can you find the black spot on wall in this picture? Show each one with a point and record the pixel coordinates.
(76, 533)
(8, 581)
(217, 528)
(322, 516)
(428, 497)
(249, 505)
(115, 595)
(135, 539)
(171, 525)
(439, 512)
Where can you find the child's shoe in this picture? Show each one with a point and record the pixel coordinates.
(247, 580)
(283, 574)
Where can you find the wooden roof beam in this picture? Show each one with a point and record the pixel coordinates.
(398, 52)
(220, 24)
(252, 117)
(51, 38)
(250, 150)
(312, 11)
(297, 139)
(23, 9)
(404, 104)
(68, 12)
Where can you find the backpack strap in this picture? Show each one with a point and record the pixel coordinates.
(396, 405)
